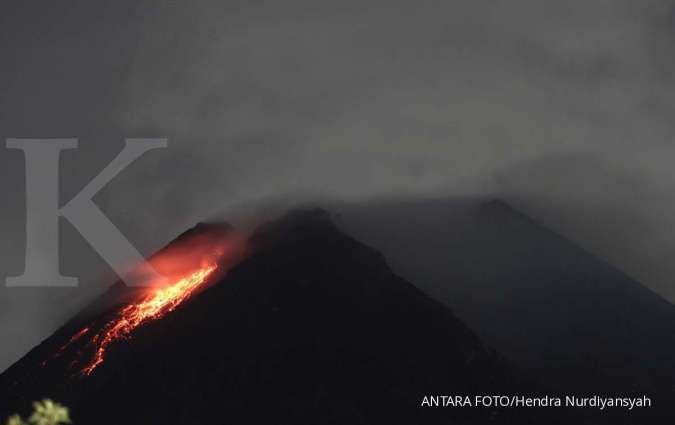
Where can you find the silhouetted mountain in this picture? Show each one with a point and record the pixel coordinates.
(312, 328)
(571, 320)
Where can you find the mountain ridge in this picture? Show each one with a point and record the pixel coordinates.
(313, 322)
(314, 311)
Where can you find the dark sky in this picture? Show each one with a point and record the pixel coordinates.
(563, 108)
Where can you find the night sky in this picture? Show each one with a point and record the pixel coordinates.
(562, 108)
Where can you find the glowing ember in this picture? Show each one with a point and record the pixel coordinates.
(74, 338)
(153, 306)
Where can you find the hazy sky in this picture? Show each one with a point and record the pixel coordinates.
(564, 108)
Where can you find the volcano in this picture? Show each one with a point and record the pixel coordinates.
(309, 326)
(298, 323)
(558, 312)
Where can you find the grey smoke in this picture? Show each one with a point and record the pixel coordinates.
(563, 108)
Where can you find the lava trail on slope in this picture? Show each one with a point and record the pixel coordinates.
(189, 264)
(158, 303)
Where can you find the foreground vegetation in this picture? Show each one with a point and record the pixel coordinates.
(45, 412)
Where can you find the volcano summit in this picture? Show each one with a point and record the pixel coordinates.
(312, 327)
(298, 324)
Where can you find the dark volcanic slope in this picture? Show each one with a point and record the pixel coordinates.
(313, 328)
(574, 321)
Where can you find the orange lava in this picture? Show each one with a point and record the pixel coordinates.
(63, 348)
(74, 338)
(155, 305)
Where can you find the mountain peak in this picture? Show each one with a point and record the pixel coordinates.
(295, 224)
(312, 322)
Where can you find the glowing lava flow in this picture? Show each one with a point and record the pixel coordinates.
(153, 306)
(74, 338)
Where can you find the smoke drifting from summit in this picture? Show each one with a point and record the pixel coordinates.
(562, 108)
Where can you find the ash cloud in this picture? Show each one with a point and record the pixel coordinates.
(563, 108)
